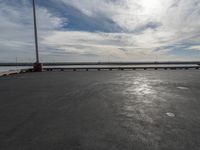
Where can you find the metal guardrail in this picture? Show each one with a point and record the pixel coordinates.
(100, 67)
(121, 68)
(105, 63)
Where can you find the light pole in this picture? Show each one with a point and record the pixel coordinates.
(37, 66)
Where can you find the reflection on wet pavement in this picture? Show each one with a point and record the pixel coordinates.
(141, 86)
(141, 97)
(145, 105)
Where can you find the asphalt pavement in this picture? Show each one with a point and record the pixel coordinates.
(101, 110)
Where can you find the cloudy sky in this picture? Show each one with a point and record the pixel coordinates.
(101, 30)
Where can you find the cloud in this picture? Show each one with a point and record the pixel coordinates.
(16, 28)
(118, 46)
(195, 47)
(124, 30)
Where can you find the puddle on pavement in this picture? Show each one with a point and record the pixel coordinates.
(169, 114)
(182, 88)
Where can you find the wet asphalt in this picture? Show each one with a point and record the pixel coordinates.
(101, 110)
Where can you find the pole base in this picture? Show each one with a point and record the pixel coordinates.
(37, 67)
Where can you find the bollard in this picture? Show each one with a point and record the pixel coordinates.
(37, 67)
